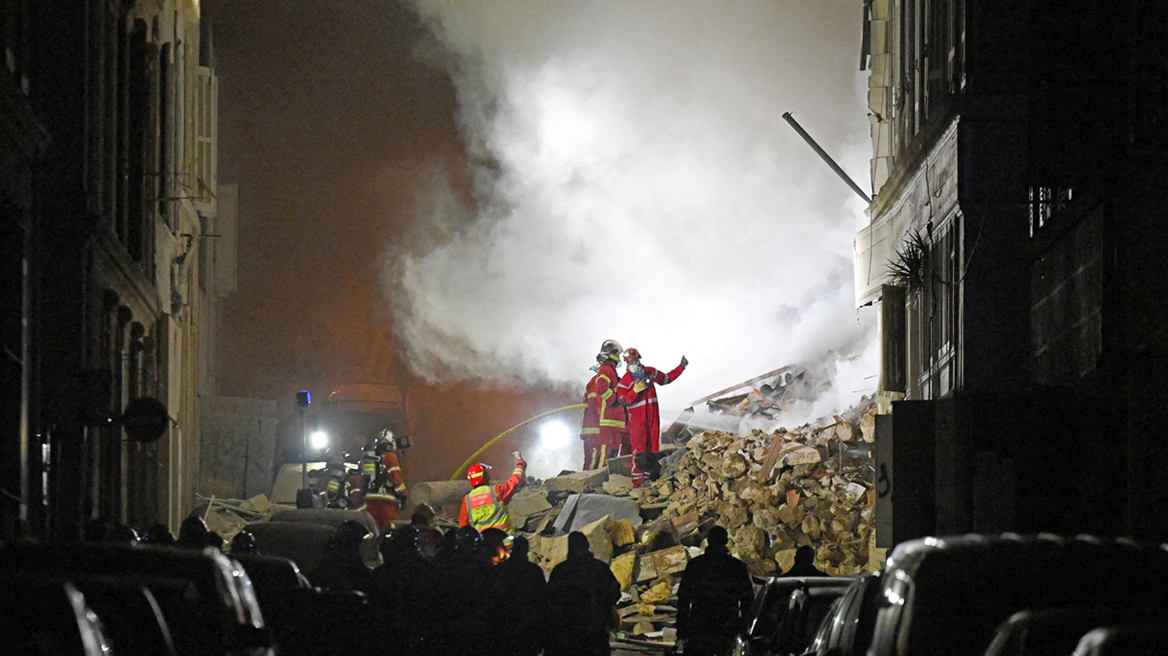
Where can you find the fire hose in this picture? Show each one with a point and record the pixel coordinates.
(462, 468)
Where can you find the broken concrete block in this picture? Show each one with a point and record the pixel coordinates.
(845, 431)
(598, 540)
(527, 502)
(806, 455)
(665, 561)
(577, 482)
(618, 485)
(785, 559)
(642, 627)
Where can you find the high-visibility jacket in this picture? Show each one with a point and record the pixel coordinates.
(486, 505)
(485, 510)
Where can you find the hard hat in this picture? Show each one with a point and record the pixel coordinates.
(610, 349)
(243, 543)
(477, 474)
(350, 533)
(631, 354)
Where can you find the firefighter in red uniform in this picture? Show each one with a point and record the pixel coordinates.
(604, 417)
(638, 393)
(387, 492)
(486, 505)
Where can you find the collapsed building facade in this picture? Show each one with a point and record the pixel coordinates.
(1016, 236)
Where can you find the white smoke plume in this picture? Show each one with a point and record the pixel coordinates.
(637, 182)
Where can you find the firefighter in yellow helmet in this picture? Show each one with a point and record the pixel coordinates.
(486, 505)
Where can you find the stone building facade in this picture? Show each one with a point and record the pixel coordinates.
(1015, 233)
(118, 207)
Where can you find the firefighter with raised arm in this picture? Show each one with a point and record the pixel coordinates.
(637, 392)
(486, 505)
(604, 417)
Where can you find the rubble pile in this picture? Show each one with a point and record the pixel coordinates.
(773, 492)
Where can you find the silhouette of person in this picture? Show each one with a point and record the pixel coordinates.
(581, 595)
(518, 622)
(342, 567)
(402, 586)
(192, 533)
(713, 599)
(804, 563)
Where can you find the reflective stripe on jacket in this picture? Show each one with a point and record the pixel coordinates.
(484, 509)
(603, 409)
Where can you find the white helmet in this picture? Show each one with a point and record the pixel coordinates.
(610, 349)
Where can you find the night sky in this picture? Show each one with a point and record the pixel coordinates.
(467, 198)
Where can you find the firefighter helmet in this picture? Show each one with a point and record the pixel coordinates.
(610, 349)
(477, 474)
(631, 354)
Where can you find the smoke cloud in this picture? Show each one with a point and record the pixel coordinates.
(634, 180)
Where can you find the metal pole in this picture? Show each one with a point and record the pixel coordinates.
(303, 453)
(827, 158)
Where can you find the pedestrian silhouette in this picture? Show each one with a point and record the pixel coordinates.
(804, 563)
(713, 599)
(581, 595)
(402, 591)
(341, 567)
(517, 623)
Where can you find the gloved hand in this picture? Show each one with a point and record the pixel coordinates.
(684, 362)
(640, 386)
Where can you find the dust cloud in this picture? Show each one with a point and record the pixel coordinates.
(634, 179)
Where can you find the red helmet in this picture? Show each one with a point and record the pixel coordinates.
(477, 474)
(631, 354)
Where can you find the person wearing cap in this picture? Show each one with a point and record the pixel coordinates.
(486, 505)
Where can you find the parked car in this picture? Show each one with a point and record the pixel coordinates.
(207, 600)
(781, 611)
(1128, 640)
(304, 619)
(847, 628)
(51, 617)
(131, 615)
(305, 535)
(1056, 631)
(948, 595)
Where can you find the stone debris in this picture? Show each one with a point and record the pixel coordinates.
(577, 482)
(773, 492)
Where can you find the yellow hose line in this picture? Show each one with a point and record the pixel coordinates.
(462, 468)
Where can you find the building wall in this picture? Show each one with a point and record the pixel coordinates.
(238, 445)
(116, 206)
(1038, 276)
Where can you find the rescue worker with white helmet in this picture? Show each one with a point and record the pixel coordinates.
(486, 505)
